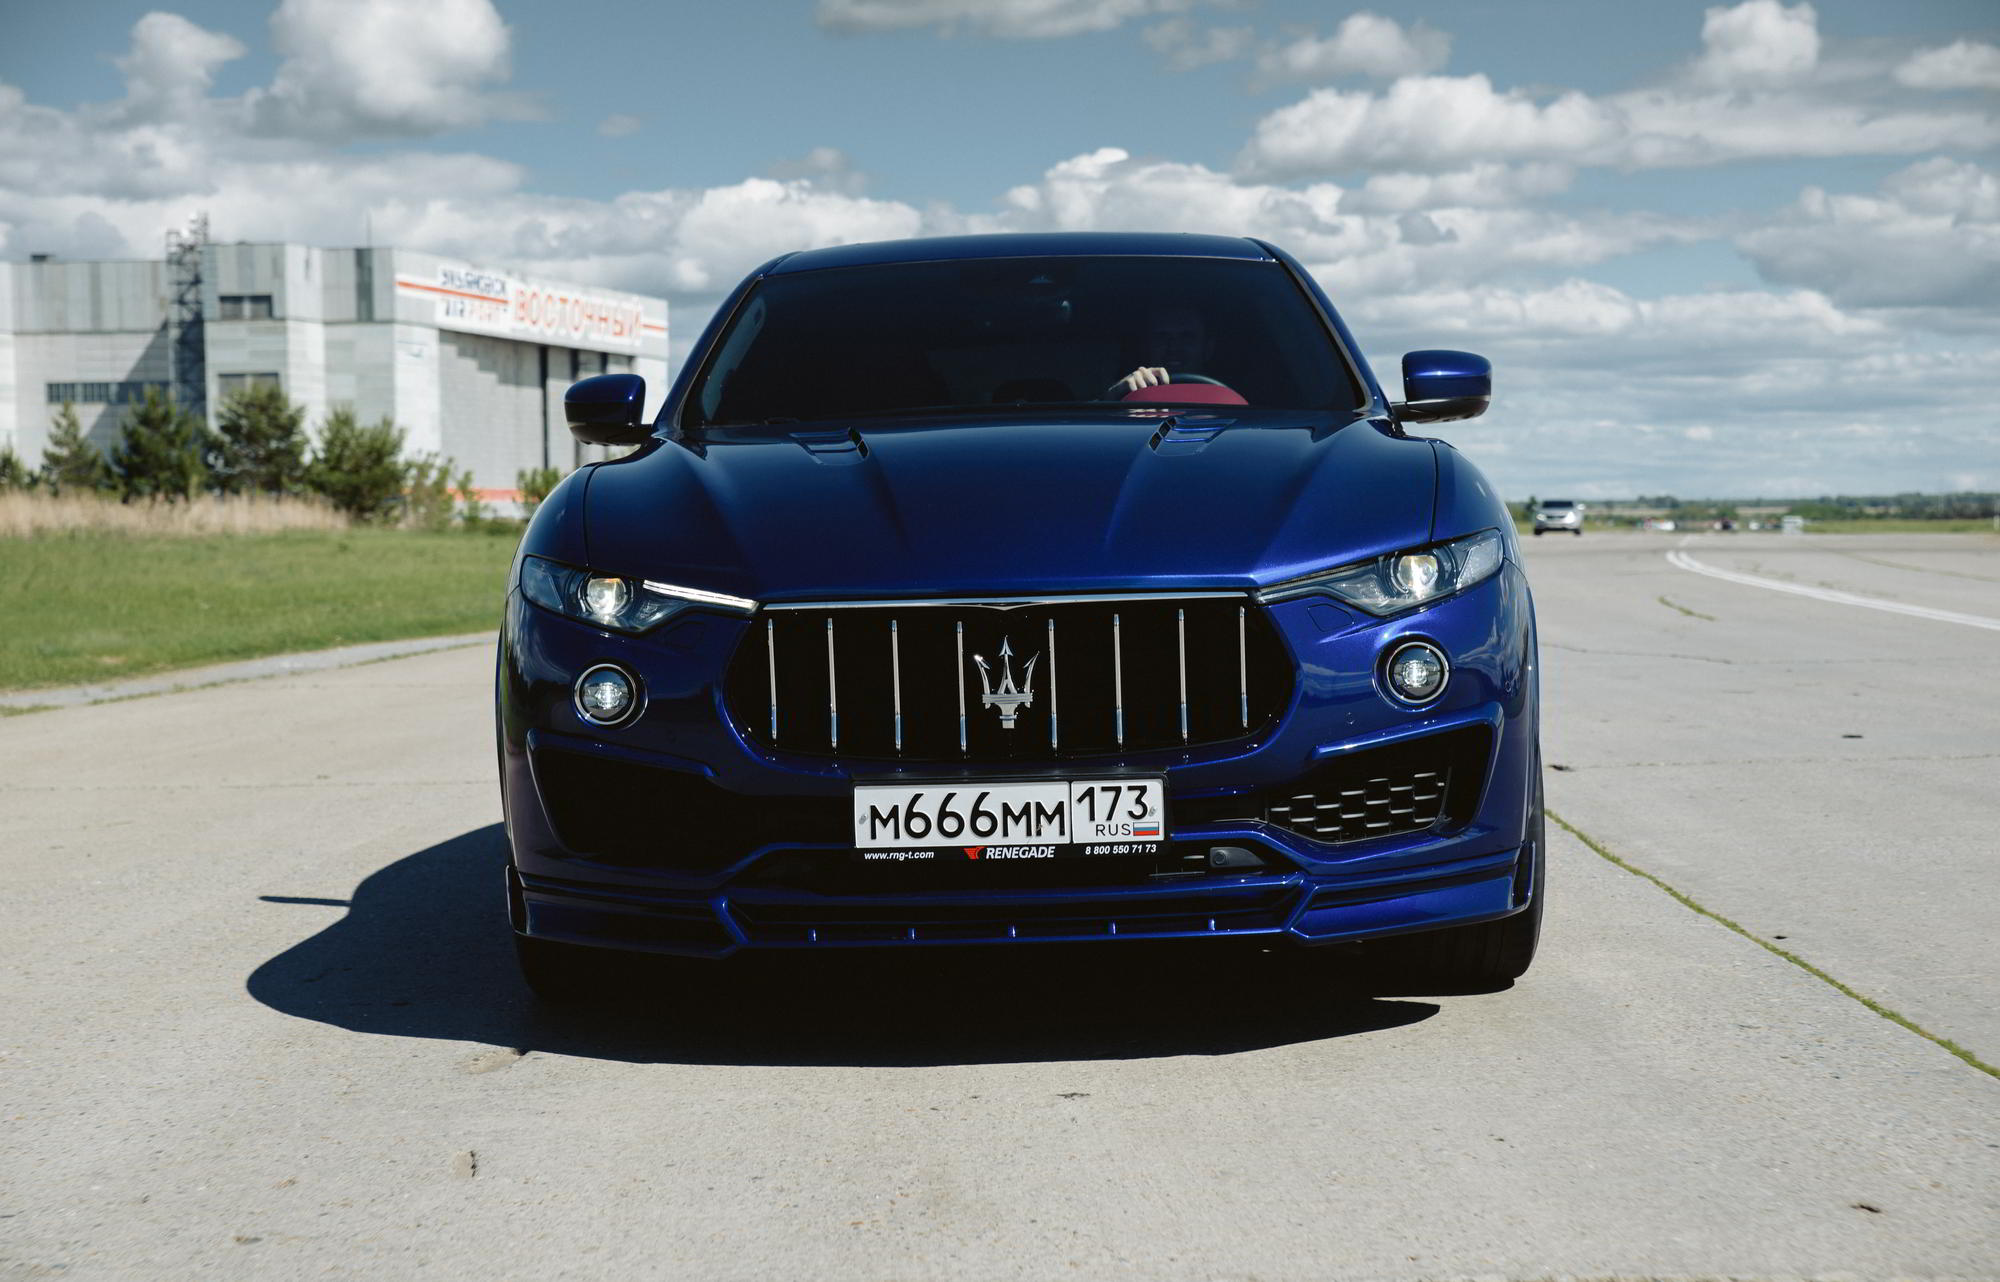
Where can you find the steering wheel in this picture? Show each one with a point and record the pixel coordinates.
(1185, 389)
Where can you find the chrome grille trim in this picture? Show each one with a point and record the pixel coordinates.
(912, 690)
(832, 691)
(1118, 679)
(1180, 659)
(1007, 602)
(896, 681)
(1243, 660)
(1054, 743)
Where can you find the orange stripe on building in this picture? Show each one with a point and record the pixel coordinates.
(455, 293)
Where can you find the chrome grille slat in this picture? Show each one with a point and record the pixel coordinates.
(771, 650)
(1054, 742)
(1118, 679)
(832, 690)
(1180, 655)
(896, 684)
(1243, 662)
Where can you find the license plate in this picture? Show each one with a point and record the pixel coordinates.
(1045, 819)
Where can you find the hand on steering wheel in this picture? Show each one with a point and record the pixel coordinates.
(1156, 376)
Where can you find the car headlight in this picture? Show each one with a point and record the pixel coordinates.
(623, 605)
(1402, 580)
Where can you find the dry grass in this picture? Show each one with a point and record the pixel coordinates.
(28, 513)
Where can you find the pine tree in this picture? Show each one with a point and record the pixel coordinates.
(260, 443)
(70, 463)
(359, 469)
(14, 474)
(161, 452)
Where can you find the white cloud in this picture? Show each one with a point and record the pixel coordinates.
(1015, 19)
(172, 63)
(1931, 237)
(1358, 244)
(1874, 346)
(1186, 47)
(1365, 44)
(729, 230)
(1757, 44)
(384, 69)
(1738, 393)
(1451, 122)
(1476, 186)
(619, 125)
(1736, 327)
(1426, 122)
(1962, 64)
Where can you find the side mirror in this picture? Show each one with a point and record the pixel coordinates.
(1441, 386)
(605, 410)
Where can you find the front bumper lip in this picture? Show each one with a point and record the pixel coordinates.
(1349, 858)
(1289, 908)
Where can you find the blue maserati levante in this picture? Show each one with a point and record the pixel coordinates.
(1012, 589)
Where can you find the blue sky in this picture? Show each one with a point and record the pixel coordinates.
(1744, 249)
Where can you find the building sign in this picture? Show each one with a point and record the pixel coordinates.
(484, 302)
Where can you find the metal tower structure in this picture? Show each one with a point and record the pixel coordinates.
(187, 342)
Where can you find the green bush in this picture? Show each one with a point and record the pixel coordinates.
(429, 489)
(260, 443)
(70, 463)
(160, 454)
(535, 484)
(359, 469)
(14, 474)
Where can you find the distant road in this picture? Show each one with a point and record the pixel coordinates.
(261, 1019)
(1808, 768)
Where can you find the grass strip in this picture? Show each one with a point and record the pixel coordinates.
(78, 608)
(1891, 525)
(1765, 944)
(1692, 614)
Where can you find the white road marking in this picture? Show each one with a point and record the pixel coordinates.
(1682, 560)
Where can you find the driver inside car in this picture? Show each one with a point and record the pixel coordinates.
(1176, 341)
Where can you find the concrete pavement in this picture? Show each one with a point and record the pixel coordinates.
(262, 1021)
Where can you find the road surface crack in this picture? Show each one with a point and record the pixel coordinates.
(1688, 901)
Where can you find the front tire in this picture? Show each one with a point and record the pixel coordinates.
(1485, 956)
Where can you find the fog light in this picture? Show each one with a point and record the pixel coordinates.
(606, 695)
(1417, 672)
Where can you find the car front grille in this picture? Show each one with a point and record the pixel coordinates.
(1008, 680)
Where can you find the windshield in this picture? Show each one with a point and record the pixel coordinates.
(1021, 332)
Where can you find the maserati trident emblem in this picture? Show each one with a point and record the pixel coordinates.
(1007, 696)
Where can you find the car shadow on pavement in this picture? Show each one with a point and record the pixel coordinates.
(423, 951)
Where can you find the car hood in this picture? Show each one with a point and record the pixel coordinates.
(996, 506)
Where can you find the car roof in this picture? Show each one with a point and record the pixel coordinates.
(1021, 245)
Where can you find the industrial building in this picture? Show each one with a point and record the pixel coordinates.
(470, 361)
